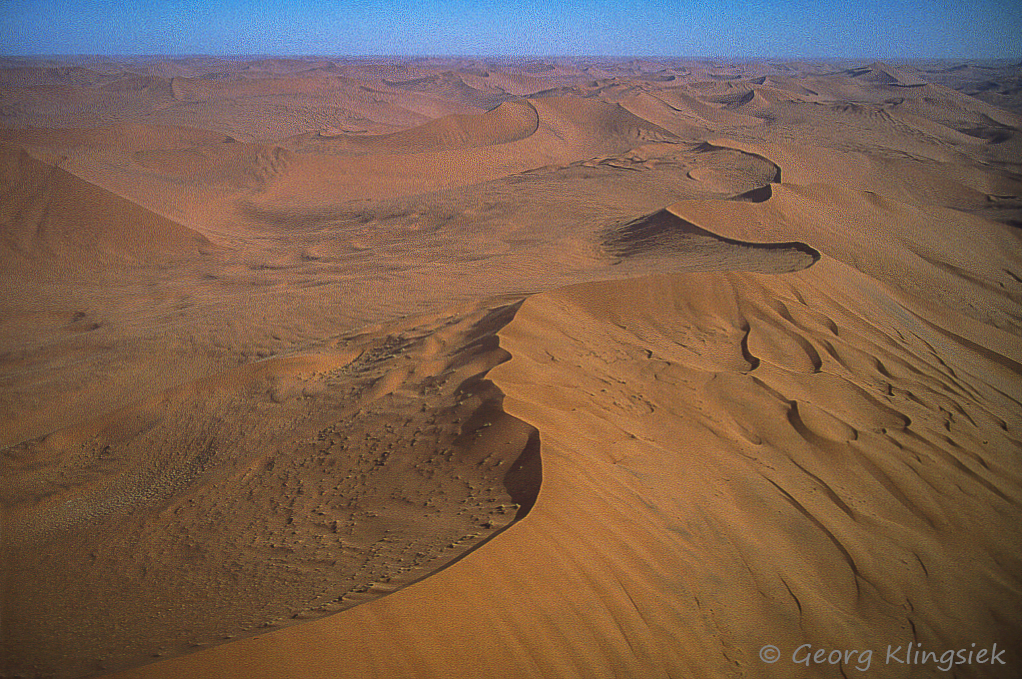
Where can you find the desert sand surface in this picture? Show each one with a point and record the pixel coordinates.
(431, 368)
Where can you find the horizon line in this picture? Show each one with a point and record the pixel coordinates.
(650, 57)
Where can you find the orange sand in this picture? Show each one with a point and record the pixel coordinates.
(464, 369)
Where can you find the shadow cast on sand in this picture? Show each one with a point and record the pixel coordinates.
(664, 231)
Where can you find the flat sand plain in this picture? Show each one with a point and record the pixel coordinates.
(507, 368)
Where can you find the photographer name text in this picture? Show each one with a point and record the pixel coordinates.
(911, 654)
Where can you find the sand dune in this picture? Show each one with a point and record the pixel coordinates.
(506, 123)
(57, 220)
(784, 416)
(879, 73)
(460, 151)
(399, 497)
(847, 226)
(480, 367)
(691, 105)
(664, 231)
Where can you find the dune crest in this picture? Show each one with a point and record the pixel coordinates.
(508, 122)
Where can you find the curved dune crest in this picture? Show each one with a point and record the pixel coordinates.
(575, 117)
(663, 231)
(884, 238)
(573, 120)
(453, 152)
(682, 101)
(510, 121)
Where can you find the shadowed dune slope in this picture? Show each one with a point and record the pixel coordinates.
(59, 220)
(270, 494)
(879, 73)
(663, 232)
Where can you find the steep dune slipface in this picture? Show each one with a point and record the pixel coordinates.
(663, 233)
(44, 210)
(271, 494)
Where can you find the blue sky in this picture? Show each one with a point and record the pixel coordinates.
(727, 28)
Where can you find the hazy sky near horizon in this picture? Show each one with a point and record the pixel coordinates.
(728, 28)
